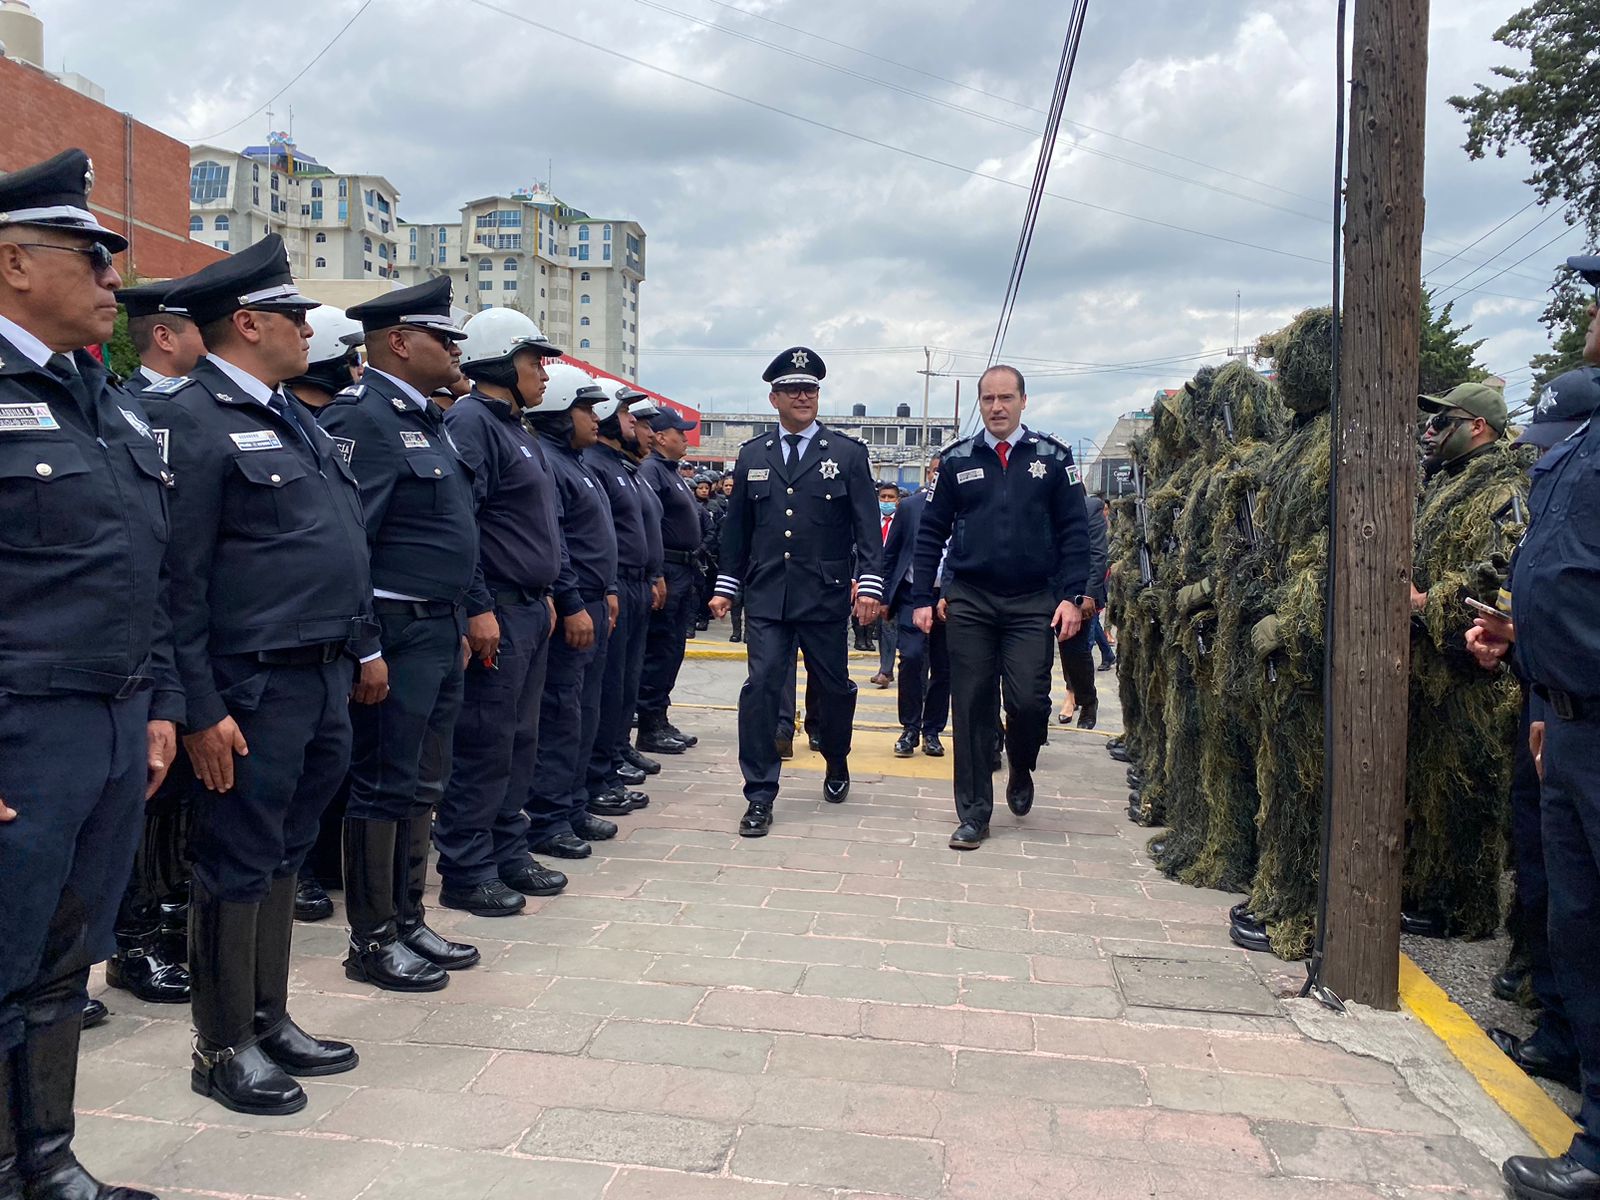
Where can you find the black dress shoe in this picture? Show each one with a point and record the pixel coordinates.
(246, 1080)
(533, 878)
(688, 739)
(142, 970)
(932, 746)
(593, 829)
(638, 761)
(1135, 780)
(816, 746)
(94, 1013)
(611, 804)
(1531, 1057)
(1423, 924)
(1019, 792)
(492, 899)
(563, 845)
(1108, 664)
(836, 784)
(734, 637)
(968, 836)
(655, 737)
(1157, 848)
(1507, 985)
(1120, 754)
(1088, 714)
(906, 745)
(629, 775)
(1116, 743)
(1249, 932)
(756, 821)
(1550, 1178)
(785, 746)
(1240, 909)
(69, 1180)
(298, 1053)
(311, 901)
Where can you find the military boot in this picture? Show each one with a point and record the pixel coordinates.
(412, 841)
(377, 955)
(291, 1047)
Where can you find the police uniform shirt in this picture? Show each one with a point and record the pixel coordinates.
(680, 521)
(790, 528)
(616, 475)
(1556, 585)
(586, 526)
(84, 526)
(1013, 530)
(650, 506)
(415, 489)
(514, 495)
(267, 547)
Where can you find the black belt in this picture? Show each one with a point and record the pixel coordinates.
(416, 608)
(681, 557)
(634, 573)
(504, 596)
(302, 656)
(1564, 704)
(41, 680)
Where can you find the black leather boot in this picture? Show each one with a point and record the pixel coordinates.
(412, 842)
(40, 1126)
(634, 759)
(230, 1065)
(688, 739)
(141, 966)
(311, 899)
(291, 1047)
(175, 924)
(10, 1179)
(377, 955)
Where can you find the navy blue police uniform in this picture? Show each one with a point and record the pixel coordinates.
(924, 695)
(1077, 652)
(85, 664)
(270, 597)
(669, 625)
(801, 503)
(1018, 547)
(1555, 594)
(482, 830)
(636, 570)
(417, 496)
(558, 818)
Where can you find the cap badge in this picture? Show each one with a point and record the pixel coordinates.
(1547, 400)
(88, 176)
(1037, 469)
(829, 469)
(800, 358)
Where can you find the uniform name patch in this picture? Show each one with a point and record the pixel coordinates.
(969, 476)
(162, 437)
(345, 448)
(758, 474)
(260, 439)
(412, 440)
(27, 416)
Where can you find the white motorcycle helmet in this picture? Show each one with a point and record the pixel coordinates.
(567, 385)
(333, 335)
(493, 337)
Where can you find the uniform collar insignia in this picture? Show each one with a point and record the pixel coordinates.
(769, 443)
(829, 469)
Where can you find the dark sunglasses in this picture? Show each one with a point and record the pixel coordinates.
(1441, 421)
(97, 253)
(444, 339)
(296, 315)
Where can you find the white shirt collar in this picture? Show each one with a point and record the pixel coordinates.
(806, 434)
(31, 347)
(410, 392)
(1016, 436)
(153, 375)
(248, 383)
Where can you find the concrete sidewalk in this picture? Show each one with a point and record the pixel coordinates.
(845, 1008)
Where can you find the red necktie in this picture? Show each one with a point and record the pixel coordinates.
(1004, 451)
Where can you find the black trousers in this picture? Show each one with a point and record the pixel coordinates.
(1533, 895)
(567, 723)
(73, 766)
(480, 828)
(624, 662)
(296, 722)
(992, 639)
(416, 722)
(664, 642)
(1570, 802)
(924, 695)
(771, 670)
(1077, 665)
(788, 701)
(161, 859)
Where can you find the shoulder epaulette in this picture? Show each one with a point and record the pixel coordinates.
(959, 448)
(1052, 440)
(350, 394)
(839, 433)
(753, 440)
(168, 386)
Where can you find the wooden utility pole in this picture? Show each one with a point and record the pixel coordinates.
(1375, 453)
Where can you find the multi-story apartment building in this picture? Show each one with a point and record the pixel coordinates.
(895, 445)
(335, 226)
(578, 276)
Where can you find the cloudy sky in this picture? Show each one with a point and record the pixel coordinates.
(823, 193)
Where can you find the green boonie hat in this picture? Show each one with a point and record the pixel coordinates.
(1479, 399)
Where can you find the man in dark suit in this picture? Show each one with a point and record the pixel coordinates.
(924, 657)
(801, 500)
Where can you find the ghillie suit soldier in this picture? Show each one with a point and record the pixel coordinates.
(1285, 576)
(1130, 574)
(1463, 719)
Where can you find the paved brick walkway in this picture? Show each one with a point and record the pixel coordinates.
(846, 1008)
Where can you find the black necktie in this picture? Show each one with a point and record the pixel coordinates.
(435, 414)
(280, 405)
(64, 369)
(794, 446)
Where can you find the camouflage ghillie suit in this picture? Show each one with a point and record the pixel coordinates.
(1463, 719)
(1230, 700)
(1285, 577)
(1134, 631)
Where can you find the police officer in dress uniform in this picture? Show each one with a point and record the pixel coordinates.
(1011, 503)
(559, 820)
(270, 597)
(802, 500)
(481, 830)
(88, 694)
(670, 624)
(417, 495)
(153, 921)
(638, 573)
(1555, 595)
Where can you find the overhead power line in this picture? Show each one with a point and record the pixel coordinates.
(1554, 212)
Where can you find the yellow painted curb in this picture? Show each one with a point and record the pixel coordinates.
(1523, 1099)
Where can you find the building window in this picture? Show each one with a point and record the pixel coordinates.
(486, 285)
(220, 223)
(255, 172)
(583, 253)
(413, 235)
(444, 235)
(634, 245)
(608, 233)
(413, 250)
(485, 264)
(344, 211)
(500, 218)
(316, 189)
(383, 205)
(583, 345)
(510, 264)
(320, 238)
(367, 266)
(366, 244)
(322, 262)
(344, 188)
(367, 196)
(274, 181)
(584, 278)
(508, 285)
(583, 320)
(583, 299)
(608, 254)
(197, 224)
(255, 196)
(207, 181)
(383, 249)
(583, 233)
(316, 210)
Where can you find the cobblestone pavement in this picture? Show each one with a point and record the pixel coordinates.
(846, 1008)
